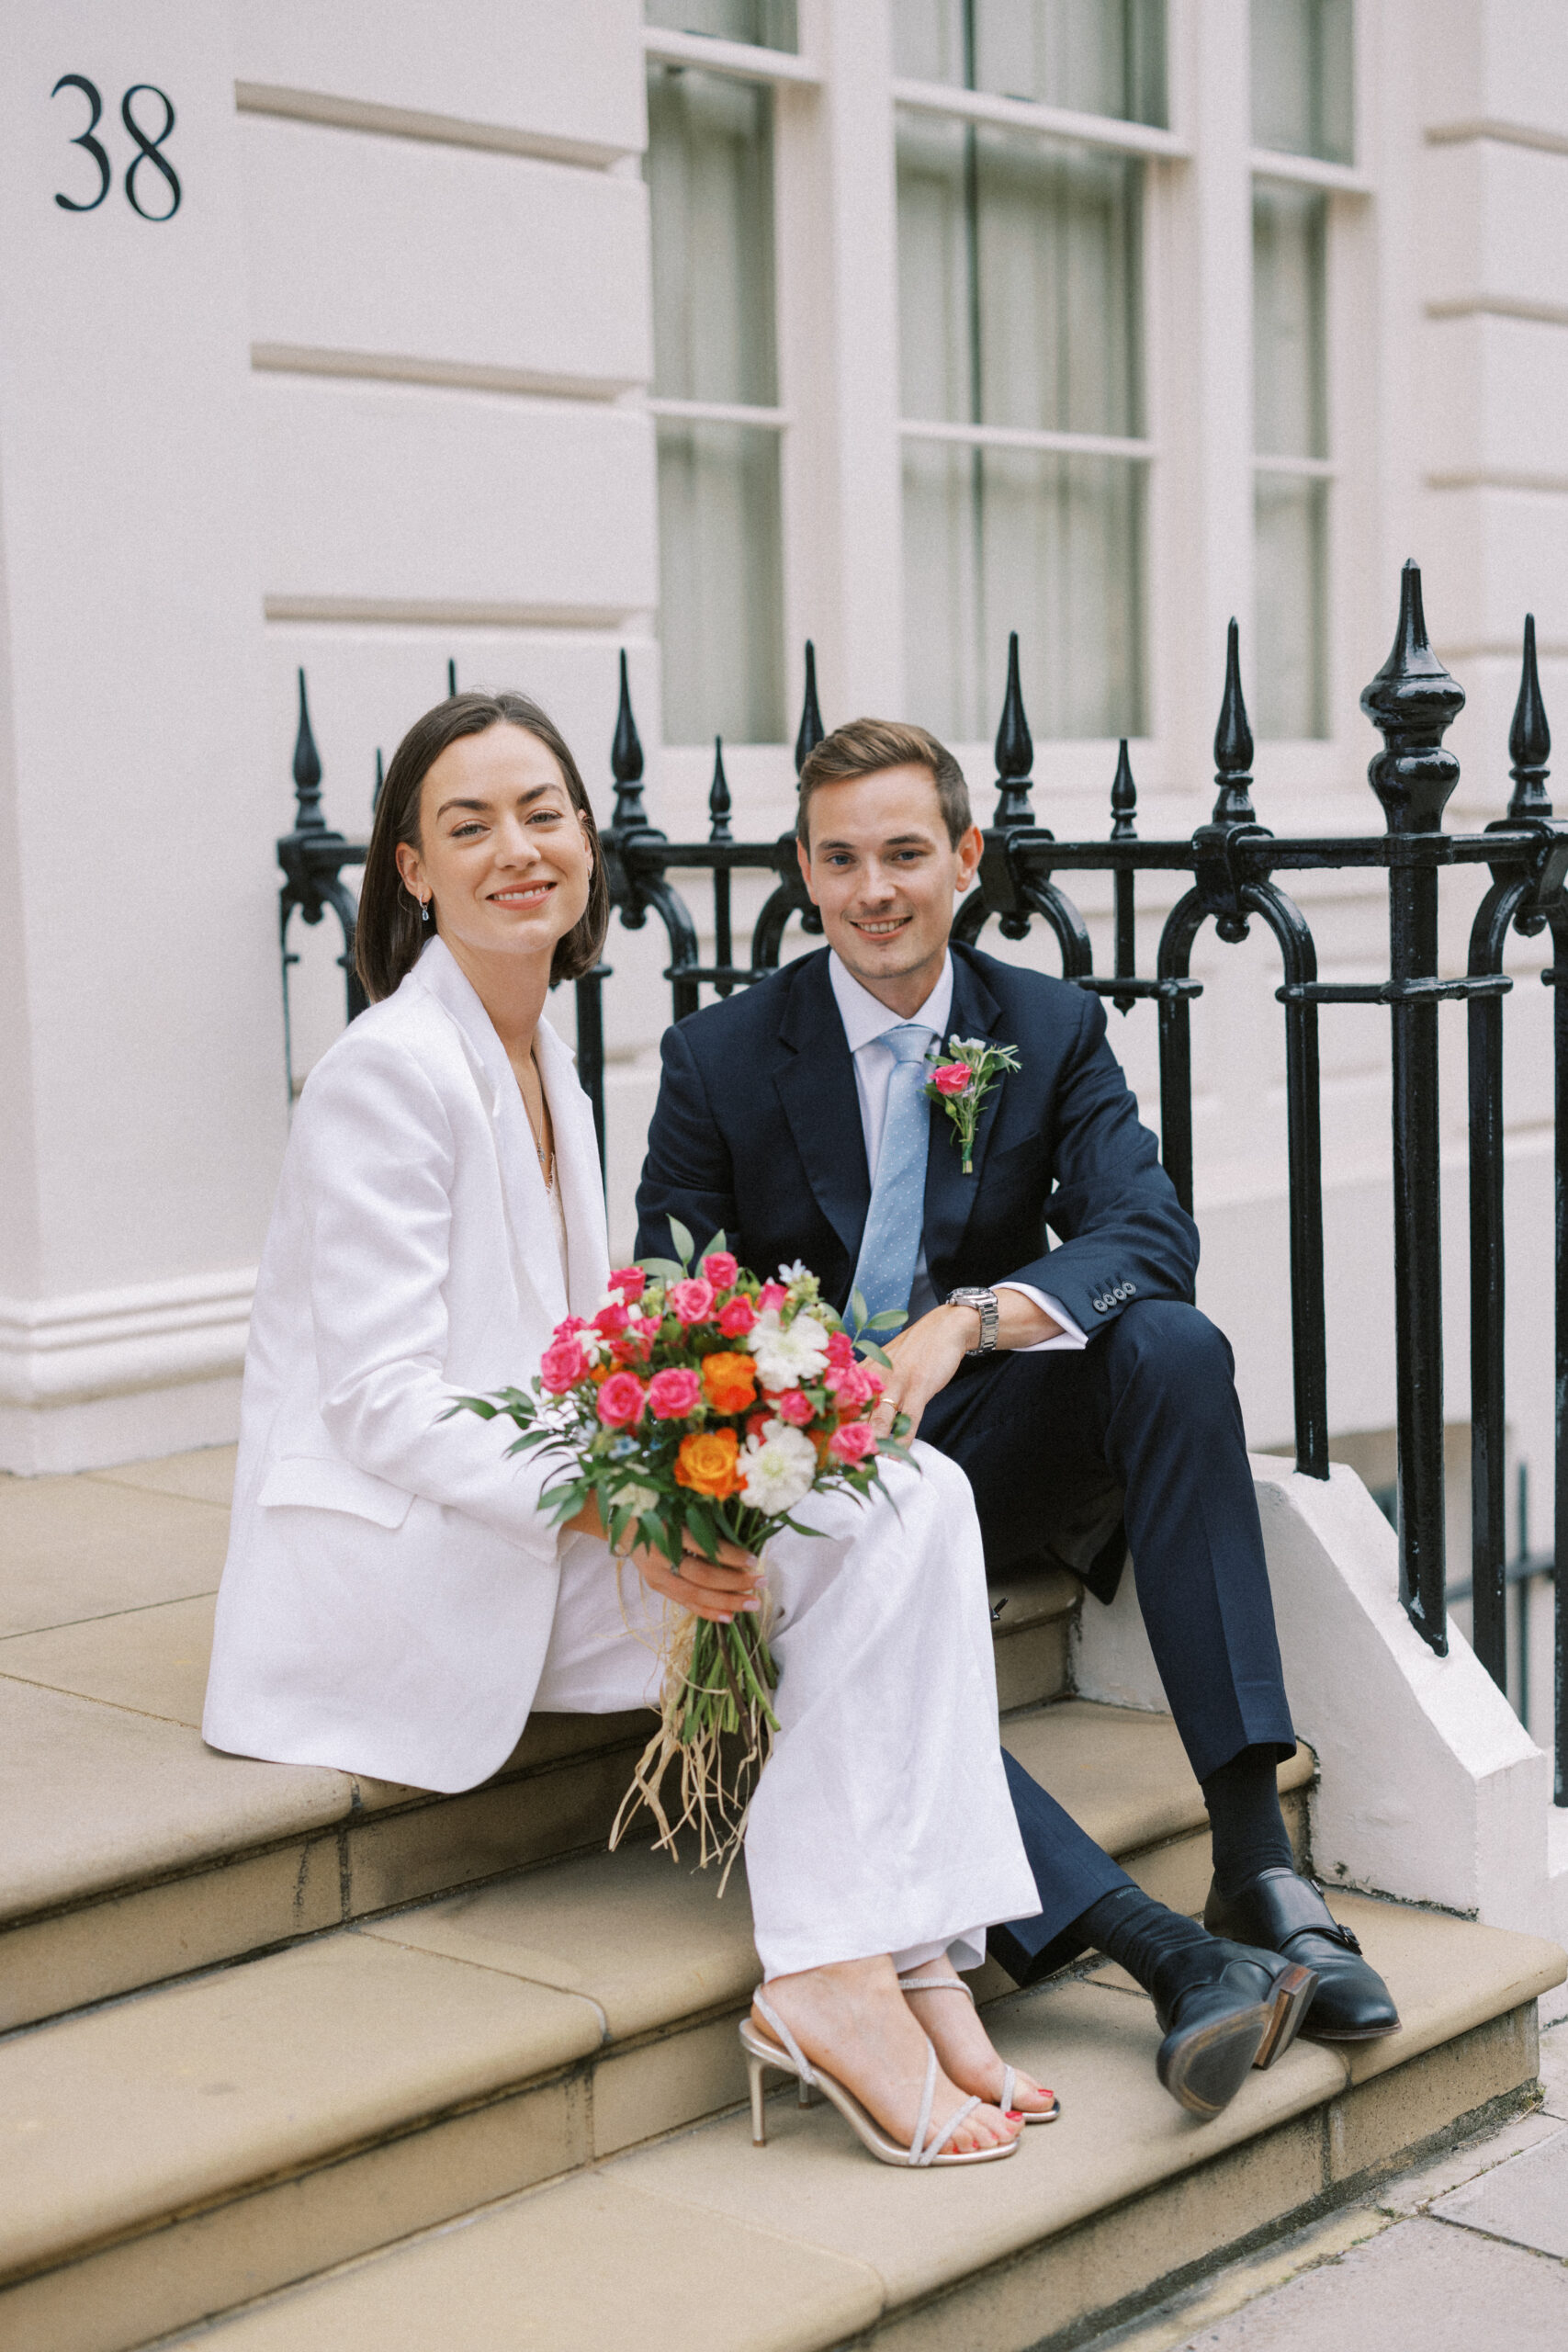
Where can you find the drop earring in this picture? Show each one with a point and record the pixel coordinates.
(425, 914)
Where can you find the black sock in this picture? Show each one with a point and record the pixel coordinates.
(1129, 1928)
(1250, 1831)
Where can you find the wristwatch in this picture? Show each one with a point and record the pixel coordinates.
(984, 1302)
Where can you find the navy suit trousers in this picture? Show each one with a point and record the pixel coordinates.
(1153, 1400)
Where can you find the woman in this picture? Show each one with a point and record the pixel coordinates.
(395, 1602)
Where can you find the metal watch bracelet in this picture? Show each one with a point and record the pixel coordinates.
(984, 1302)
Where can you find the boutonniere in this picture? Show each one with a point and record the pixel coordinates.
(961, 1083)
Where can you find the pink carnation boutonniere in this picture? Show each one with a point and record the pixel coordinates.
(961, 1082)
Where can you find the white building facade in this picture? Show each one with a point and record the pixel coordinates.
(361, 340)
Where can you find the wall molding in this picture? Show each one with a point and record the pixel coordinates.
(404, 122)
(446, 375)
(90, 1344)
(1503, 134)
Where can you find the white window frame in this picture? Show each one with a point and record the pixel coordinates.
(782, 72)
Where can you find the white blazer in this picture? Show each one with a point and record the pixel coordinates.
(390, 1581)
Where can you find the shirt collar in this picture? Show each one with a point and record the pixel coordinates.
(865, 1017)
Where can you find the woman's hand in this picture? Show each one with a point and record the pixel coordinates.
(714, 1589)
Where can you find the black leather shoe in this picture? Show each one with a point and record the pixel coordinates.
(1225, 2008)
(1286, 1914)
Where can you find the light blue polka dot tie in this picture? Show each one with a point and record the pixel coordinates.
(885, 1274)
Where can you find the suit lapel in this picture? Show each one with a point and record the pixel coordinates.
(949, 1194)
(815, 1080)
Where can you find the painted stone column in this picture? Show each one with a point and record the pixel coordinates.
(140, 1065)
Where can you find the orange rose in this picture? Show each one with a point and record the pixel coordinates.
(706, 1463)
(729, 1382)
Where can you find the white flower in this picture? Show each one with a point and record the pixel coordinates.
(633, 1497)
(788, 1356)
(797, 1272)
(778, 1469)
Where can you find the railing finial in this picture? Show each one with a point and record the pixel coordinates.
(626, 761)
(1529, 739)
(1412, 702)
(1123, 798)
(719, 796)
(1233, 745)
(308, 817)
(451, 675)
(1015, 752)
(811, 728)
(380, 780)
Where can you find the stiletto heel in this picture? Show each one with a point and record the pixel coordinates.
(785, 2056)
(917, 1983)
(809, 2095)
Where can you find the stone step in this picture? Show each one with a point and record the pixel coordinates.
(210, 2139)
(699, 2237)
(130, 1854)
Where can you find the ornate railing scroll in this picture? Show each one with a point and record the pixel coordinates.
(1234, 865)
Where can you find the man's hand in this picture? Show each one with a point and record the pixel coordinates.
(714, 1589)
(926, 1354)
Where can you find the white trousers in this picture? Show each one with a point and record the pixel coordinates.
(882, 1821)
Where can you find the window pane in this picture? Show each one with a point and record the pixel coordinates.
(1289, 696)
(1289, 353)
(768, 23)
(721, 578)
(1303, 77)
(710, 178)
(1049, 545)
(1097, 56)
(1019, 277)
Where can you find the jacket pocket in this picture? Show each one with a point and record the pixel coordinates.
(320, 1484)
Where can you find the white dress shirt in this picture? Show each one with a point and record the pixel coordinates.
(867, 1022)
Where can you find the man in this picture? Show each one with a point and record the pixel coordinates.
(1079, 1387)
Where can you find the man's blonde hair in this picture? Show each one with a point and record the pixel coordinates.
(867, 746)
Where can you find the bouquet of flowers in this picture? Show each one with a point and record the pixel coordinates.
(707, 1406)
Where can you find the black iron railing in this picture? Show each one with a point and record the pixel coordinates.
(1235, 864)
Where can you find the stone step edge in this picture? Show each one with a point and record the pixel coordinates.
(1000, 2300)
(157, 1926)
(1045, 1601)
(676, 2025)
(79, 1921)
(976, 2293)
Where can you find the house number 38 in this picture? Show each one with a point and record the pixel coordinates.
(149, 157)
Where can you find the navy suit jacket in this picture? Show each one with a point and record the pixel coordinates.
(757, 1132)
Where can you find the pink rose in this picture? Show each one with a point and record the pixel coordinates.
(672, 1395)
(840, 1351)
(635, 1344)
(770, 1296)
(573, 1324)
(621, 1400)
(612, 1322)
(631, 1282)
(794, 1405)
(562, 1365)
(736, 1320)
(953, 1078)
(853, 1442)
(853, 1387)
(720, 1268)
(691, 1301)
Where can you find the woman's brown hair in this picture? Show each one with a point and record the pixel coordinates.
(389, 934)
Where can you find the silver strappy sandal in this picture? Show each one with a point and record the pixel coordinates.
(785, 2056)
(916, 1983)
